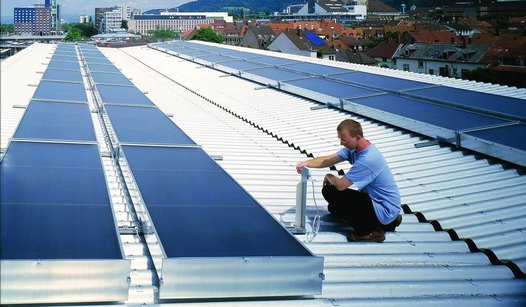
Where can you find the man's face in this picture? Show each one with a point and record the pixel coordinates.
(347, 140)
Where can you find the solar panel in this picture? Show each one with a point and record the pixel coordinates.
(217, 58)
(314, 39)
(380, 82)
(331, 88)
(276, 74)
(56, 121)
(506, 135)
(146, 126)
(99, 60)
(62, 75)
(434, 114)
(54, 204)
(123, 95)
(63, 91)
(102, 68)
(272, 60)
(63, 65)
(236, 53)
(210, 223)
(110, 78)
(66, 58)
(504, 105)
(315, 69)
(240, 65)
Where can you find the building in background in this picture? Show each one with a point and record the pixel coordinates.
(35, 20)
(83, 18)
(342, 11)
(110, 19)
(55, 14)
(174, 21)
(100, 13)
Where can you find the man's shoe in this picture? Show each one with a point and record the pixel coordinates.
(392, 226)
(376, 235)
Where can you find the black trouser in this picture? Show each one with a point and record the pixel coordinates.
(356, 207)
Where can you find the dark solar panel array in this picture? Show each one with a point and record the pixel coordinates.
(449, 114)
(53, 196)
(184, 190)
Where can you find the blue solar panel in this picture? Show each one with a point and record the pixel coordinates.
(379, 81)
(331, 88)
(453, 119)
(66, 58)
(56, 121)
(63, 65)
(276, 74)
(146, 126)
(314, 39)
(236, 53)
(217, 58)
(110, 78)
(240, 65)
(65, 91)
(213, 217)
(123, 95)
(200, 54)
(103, 68)
(99, 60)
(316, 69)
(512, 136)
(504, 105)
(63, 75)
(54, 204)
(272, 60)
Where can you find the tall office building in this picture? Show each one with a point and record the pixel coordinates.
(35, 20)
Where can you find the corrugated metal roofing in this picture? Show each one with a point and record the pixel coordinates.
(416, 264)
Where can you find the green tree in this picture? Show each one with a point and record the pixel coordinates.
(162, 34)
(87, 29)
(73, 35)
(124, 24)
(7, 28)
(207, 35)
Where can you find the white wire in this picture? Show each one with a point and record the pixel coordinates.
(316, 222)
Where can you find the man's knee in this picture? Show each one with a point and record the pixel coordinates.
(328, 192)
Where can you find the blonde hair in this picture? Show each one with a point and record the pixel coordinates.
(352, 126)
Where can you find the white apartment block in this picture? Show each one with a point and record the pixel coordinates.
(174, 21)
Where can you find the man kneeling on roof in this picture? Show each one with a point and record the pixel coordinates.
(375, 207)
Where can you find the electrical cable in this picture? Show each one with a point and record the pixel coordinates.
(316, 222)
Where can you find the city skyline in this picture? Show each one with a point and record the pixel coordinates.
(72, 8)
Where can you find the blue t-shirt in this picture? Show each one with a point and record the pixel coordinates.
(371, 174)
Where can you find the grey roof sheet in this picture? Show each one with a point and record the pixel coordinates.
(416, 264)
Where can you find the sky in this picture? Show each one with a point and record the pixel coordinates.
(73, 8)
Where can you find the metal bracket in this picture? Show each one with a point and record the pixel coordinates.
(299, 226)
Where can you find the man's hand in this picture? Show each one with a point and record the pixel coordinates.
(341, 183)
(300, 165)
(326, 180)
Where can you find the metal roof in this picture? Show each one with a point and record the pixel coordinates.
(261, 135)
(256, 132)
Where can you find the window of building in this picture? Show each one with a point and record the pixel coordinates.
(420, 64)
(431, 71)
(405, 67)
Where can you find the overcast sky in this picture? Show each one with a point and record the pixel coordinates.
(76, 7)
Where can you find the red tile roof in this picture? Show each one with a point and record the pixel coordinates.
(384, 50)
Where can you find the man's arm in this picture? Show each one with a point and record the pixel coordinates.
(320, 162)
(341, 183)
